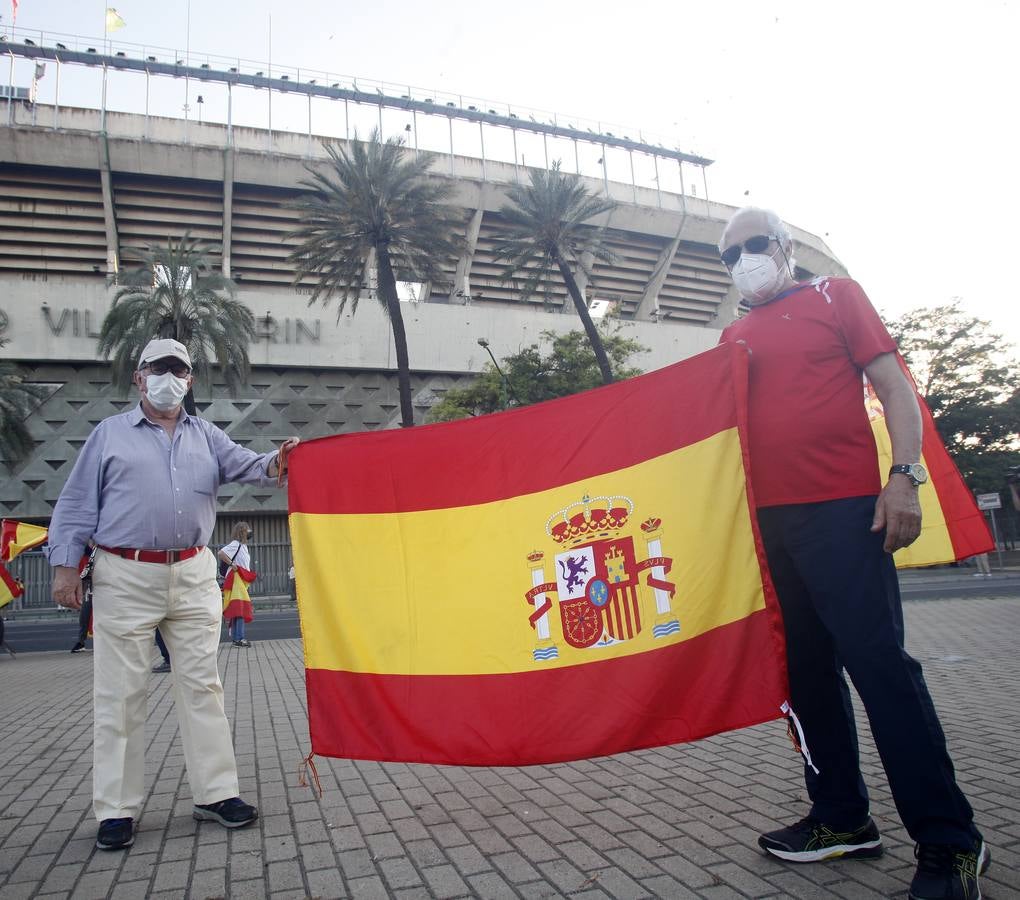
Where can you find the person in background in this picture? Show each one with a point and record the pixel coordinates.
(829, 527)
(235, 555)
(161, 668)
(144, 490)
(85, 613)
(984, 568)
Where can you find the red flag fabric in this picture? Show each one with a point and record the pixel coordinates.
(560, 581)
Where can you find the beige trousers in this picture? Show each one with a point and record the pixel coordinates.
(129, 600)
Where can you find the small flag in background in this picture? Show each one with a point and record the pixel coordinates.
(14, 12)
(16, 537)
(952, 527)
(10, 587)
(236, 601)
(113, 20)
(561, 581)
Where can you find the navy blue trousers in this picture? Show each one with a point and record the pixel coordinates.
(841, 608)
(162, 647)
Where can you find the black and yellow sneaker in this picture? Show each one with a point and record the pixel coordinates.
(949, 873)
(813, 841)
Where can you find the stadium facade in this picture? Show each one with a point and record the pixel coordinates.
(78, 186)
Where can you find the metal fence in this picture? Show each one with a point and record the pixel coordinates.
(272, 561)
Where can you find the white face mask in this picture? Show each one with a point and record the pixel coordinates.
(166, 391)
(757, 277)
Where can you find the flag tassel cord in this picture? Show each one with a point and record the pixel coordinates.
(308, 765)
(796, 733)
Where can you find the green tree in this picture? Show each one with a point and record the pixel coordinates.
(18, 400)
(531, 375)
(176, 293)
(546, 231)
(966, 374)
(374, 198)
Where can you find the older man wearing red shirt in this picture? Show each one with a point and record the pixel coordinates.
(829, 528)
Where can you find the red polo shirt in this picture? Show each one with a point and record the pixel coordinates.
(808, 430)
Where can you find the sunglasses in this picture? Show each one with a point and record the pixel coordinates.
(757, 244)
(161, 367)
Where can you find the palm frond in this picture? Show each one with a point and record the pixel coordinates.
(546, 220)
(547, 229)
(18, 400)
(174, 291)
(372, 193)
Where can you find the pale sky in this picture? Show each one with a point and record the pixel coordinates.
(886, 128)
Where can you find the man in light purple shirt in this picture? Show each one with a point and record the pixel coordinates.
(143, 489)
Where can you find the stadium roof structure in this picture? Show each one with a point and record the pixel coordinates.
(237, 72)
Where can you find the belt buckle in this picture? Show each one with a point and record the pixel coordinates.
(173, 556)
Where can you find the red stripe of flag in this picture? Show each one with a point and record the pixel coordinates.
(681, 692)
(525, 463)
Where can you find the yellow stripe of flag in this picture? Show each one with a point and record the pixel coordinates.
(442, 591)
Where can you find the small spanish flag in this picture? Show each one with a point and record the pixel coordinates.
(559, 581)
(113, 20)
(16, 537)
(952, 526)
(236, 602)
(10, 587)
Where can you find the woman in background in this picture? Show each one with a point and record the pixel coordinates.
(235, 556)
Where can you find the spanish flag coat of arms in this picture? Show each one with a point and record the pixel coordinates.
(568, 580)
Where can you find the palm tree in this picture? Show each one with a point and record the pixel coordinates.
(176, 293)
(18, 400)
(374, 199)
(546, 230)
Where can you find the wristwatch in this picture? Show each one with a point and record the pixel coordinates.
(917, 473)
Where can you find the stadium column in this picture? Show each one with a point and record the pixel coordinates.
(109, 210)
(461, 290)
(647, 308)
(581, 275)
(728, 308)
(228, 206)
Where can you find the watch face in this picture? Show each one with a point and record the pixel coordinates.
(918, 473)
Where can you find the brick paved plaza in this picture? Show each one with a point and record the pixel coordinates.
(674, 822)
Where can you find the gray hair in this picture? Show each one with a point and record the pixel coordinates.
(777, 229)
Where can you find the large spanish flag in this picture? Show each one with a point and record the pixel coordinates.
(567, 580)
(16, 537)
(952, 526)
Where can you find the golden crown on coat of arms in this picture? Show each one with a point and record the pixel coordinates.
(589, 517)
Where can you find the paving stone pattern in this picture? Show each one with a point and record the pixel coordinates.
(676, 822)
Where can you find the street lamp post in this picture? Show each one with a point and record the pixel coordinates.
(482, 342)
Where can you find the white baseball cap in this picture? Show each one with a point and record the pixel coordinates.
(162, 348)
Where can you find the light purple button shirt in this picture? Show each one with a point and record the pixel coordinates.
(134, 486)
